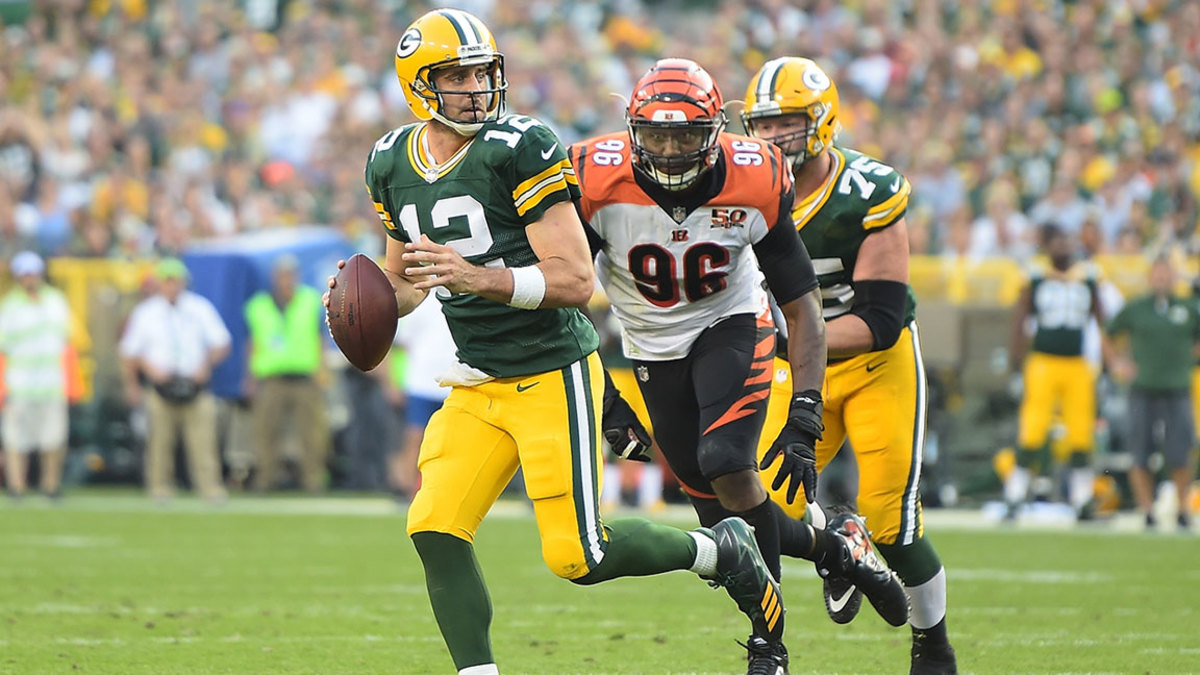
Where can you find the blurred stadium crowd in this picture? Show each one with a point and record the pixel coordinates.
(132, 129)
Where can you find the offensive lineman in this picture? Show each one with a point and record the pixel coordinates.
(850, 214)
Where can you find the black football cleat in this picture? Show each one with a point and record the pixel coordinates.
(765, 658)
(931, 659)
(842, 597)
(857, 564)
(743, 574)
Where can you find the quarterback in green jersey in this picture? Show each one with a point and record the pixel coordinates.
(479, 209)
(849, 209)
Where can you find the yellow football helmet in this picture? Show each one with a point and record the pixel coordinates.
(794, 86)
(446, 38)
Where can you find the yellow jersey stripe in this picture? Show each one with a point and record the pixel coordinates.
(526, 205)
(810, 205)
(531, 185)
(414, 151)
(886, 213)
(891, 202)
(422, 163)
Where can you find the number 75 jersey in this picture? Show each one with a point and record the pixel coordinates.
(675, 263)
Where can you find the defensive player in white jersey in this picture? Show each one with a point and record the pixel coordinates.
(683, 216)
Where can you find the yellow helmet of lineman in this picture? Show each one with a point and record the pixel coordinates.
(445, 38)
(795, 86)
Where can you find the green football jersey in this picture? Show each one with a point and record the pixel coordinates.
(859, 197)
(1061, 304)
(479, 202)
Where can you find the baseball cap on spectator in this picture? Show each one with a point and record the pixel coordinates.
(286, 263)
(170, 268)
(27, 263)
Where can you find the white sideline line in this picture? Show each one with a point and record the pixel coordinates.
(93, 500)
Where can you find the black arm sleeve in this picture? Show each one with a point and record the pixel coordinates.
(785, 263)
(880, 304)
(595, 242)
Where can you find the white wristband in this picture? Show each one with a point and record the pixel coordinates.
(529, 287)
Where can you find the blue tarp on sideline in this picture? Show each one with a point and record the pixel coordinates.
(229, 271)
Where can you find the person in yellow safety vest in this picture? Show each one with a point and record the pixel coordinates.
(285, 359)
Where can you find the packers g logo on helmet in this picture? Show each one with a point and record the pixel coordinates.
(794, 86)
(446, 38)
(408, 43)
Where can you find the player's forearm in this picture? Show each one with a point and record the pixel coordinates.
(806, 342)
(848, 335)
(568, 284)
(407, 297)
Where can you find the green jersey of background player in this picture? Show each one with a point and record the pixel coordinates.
(478, 208)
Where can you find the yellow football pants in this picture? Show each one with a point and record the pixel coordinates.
(549, 424)
(878, 400)
(626, 383)
(1063, 384)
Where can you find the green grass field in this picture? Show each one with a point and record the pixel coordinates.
(109, 583)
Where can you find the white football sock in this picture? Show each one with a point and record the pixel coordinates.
(706, 555)
(817, 516)
(928, 601)
(1017, 485)
(1082, 484)
(485, 669)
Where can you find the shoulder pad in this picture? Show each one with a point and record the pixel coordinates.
(603, 167)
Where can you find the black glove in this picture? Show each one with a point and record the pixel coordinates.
(621, 427)
(797, 443)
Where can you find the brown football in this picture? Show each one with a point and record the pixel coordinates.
(362, 312)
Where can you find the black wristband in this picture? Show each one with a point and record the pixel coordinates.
(806, 410)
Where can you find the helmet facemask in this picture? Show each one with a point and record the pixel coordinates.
(788, 88)
(798, 146)
(674, 154)
(490, 98)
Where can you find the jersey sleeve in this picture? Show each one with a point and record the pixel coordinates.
(887, 201)
(577, 154)
(786, 190)
(376, 179)
(541, 173)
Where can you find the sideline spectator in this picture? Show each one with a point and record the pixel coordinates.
(430, 348)
(1099, 100)
(174, 340)
(1164, 339)
(285, 325)
(34, 327)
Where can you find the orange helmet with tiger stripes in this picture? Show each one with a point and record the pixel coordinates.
(675, 117)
